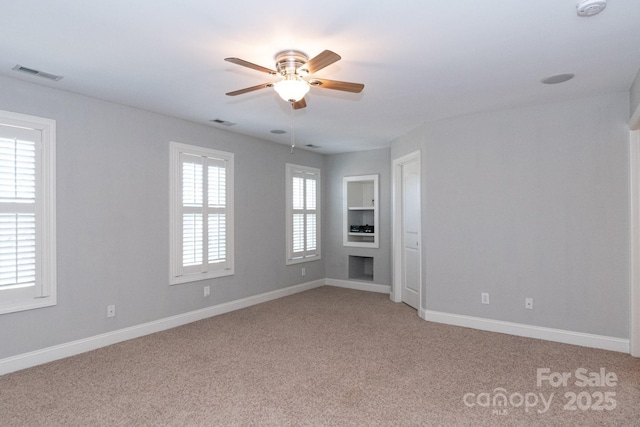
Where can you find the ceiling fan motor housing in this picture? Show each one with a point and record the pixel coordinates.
(290, 62)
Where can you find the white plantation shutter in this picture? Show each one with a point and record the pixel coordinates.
(202, 222)
(17, 212)
(302, 213)
(17, 250)
(192, 210)
(217, 212)
(310, 214)
(26, 269)
(298, 235)
(298, 215)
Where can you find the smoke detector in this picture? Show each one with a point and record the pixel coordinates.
(591, 7)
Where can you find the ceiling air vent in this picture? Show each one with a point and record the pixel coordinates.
(558, 78)
(37, 73)
(312, 146)
(222, 122)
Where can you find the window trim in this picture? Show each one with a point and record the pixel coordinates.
(175, 150)
(46, 289)
(290, 170)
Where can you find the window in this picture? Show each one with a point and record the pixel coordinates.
(201, 213)
(303, 214)
(27, 212)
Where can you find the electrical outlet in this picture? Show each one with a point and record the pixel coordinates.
(111, 311)
(485, 297)
(207, 291)
(528, 303)
(304, 271)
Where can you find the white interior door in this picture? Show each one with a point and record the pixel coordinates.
(411, 247)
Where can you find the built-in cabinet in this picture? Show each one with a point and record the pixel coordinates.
(360, 209)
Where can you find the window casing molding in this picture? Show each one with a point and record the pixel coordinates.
(303, 207)
(40, 133)
(215, 254)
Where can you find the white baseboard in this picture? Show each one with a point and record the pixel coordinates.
(49, 354)
(529, 331)
(360, 286)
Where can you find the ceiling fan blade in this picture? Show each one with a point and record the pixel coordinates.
(251, 65)
(320, 61)
(337, 85)
(300, 104)
(249, 89)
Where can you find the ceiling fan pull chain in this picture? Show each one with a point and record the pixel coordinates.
(293, 130)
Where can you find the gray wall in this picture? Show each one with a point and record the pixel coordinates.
(635, 95)
(529, 202)
(520, 203)
(113, 218)
(336, 255)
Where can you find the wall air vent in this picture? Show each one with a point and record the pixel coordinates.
(37, 73)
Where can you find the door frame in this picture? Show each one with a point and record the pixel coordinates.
(634, 206)
(396, 251)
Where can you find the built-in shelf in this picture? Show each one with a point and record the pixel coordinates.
(360, 210)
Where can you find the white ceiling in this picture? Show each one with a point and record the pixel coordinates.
(420, 61)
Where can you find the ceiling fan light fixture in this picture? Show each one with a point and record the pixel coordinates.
(292, 88)
(291, 66)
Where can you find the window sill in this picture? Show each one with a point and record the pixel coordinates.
(201, 276)
(301, 260)
(26, 304)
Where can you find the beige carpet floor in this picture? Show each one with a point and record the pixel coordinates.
(328, 356)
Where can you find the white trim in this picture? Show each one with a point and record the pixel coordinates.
(396, 188)
(345, 211)
(49, 354)
(634, 121)
(529, 331)
(176, 273)
(360, 286)
(45, 209)
(634, 244)
(290, 170)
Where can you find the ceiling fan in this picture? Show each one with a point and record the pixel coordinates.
(292, 66)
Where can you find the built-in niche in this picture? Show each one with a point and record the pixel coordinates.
(361, 268)
(360, 211)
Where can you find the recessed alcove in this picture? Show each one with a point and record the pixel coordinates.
(361, 268)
